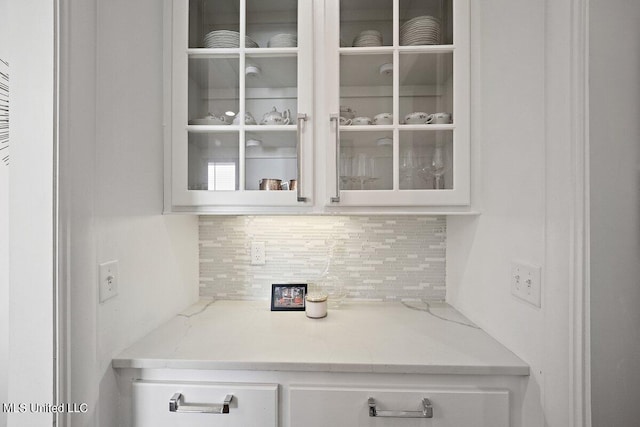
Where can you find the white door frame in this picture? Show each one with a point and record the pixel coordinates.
(32, 209)
(580, 384)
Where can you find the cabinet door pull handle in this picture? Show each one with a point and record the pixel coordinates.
(301, 118)
(335, 117)
(427, 411)
(176, 404)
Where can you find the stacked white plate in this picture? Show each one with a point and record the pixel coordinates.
(420, 30)
(368, 38)
(226, 39)
(283, 40)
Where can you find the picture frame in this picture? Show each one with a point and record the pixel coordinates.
(288, 297)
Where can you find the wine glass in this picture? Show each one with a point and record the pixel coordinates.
(438, 166)
(361, 168)
(371, 171)
(346, 163)
(408, 165)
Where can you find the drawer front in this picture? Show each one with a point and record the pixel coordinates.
(251, 404)
(349, 407)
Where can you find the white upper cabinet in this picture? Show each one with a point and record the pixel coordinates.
(389, 82)
(398, 105)
(241, 79)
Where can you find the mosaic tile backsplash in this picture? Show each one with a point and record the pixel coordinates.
(370, 258)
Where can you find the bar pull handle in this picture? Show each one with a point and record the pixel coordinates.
(302, 117)
(335, 117)
(427, 411)
(176, 404)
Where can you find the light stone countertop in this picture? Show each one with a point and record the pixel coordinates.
(411, 338)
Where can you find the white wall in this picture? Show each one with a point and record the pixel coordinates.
(4, 241)
(615, 211)
(521, 184)
(112, 159)
(31, 57)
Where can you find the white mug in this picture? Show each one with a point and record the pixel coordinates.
(362, 121)
(344, 121)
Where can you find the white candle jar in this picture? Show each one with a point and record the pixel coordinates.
(316, 306)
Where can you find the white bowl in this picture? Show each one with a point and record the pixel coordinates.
(252, 71)
(386, 69)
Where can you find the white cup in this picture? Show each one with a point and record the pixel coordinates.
(439, 118)
(383, 119)
(359, 121)
(345, 122)
(248, 119)
(417, 118)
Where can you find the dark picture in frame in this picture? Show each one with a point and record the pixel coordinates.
(288, 297)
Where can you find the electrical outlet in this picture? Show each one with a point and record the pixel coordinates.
(526, 282)
(108, 280)
(258, 253)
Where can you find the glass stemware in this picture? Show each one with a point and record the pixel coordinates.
(360, 168)
(438, 166)
(408, 166)
(363, 169)
(346, 163)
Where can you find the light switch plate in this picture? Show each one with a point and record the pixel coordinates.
(526, 282)
(108, 280)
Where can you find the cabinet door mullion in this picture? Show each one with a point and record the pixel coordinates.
(242, 164)
(395, 158)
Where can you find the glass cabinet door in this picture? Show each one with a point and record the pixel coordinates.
(239, 103)
(399, 111)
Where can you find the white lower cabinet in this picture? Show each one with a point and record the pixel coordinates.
(195, 404)
(351, 407)
(317, 399)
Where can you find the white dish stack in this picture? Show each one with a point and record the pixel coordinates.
(420, 30)
(283, 40)
(226, 39)
(368, 38)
